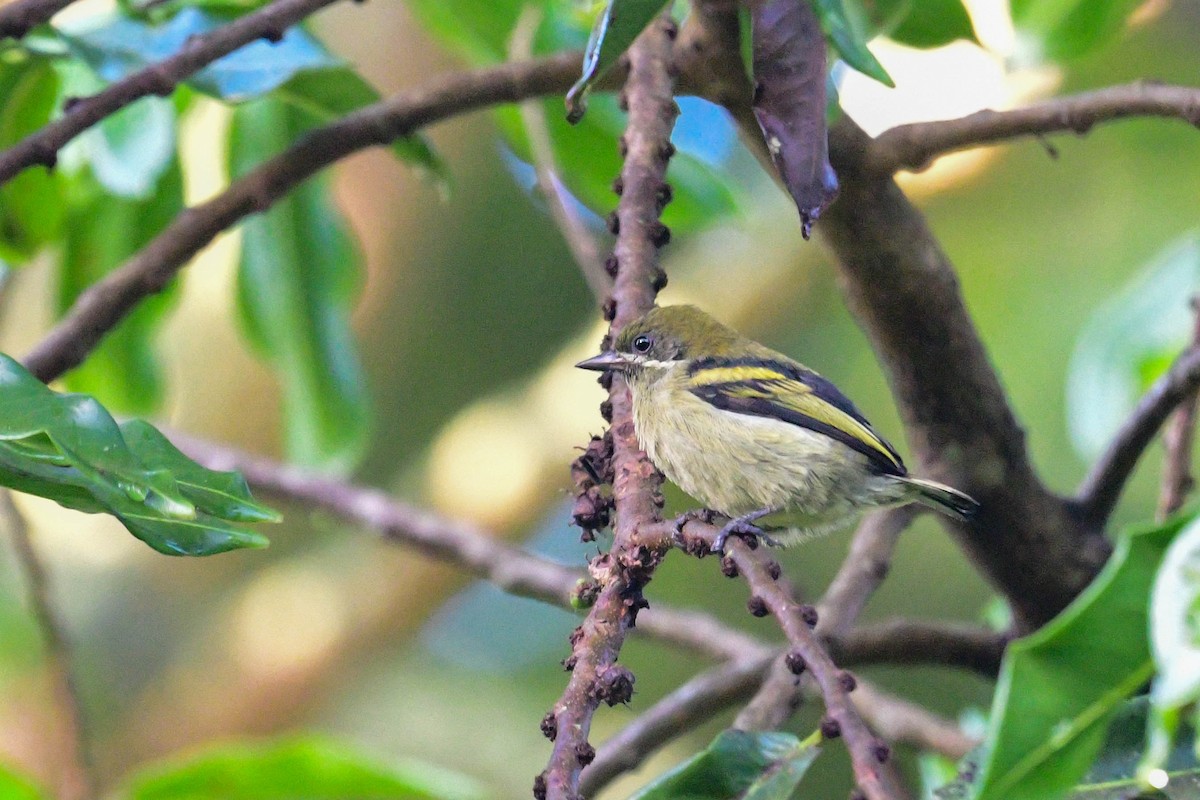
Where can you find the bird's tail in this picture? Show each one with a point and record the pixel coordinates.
(941, 497)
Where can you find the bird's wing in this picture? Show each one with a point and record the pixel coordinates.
(791, 393)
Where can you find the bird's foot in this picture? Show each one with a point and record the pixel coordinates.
(694, 546)
(744, 527)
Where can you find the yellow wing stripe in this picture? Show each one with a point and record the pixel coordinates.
(738, 374)
(798, 396)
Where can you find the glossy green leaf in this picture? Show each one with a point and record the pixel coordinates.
(102, 232)
(933, 23)
(311, 768)
(15, 786)
(738, 764)
(297, 279)
(1128, 342)
(329, 94)
(1059, 687)
(1068, 29)
(30, 203)
(849, 40)
(68, 448)
(618, 25)
(120, 45)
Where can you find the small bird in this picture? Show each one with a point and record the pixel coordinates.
(750, 433)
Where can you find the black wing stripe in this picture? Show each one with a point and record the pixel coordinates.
(761, 407)
(821, 387)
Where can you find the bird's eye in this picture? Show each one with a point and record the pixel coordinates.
(642, 344)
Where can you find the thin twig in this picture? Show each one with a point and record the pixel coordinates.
(623, 572)
(725, 685)
(97, 310)
(916, 146)
(20, 17)
(1177, 479)
(269, 22)
(868, 753)
(78, 779)
(863, 569)
(574, 230)
(1100, 490)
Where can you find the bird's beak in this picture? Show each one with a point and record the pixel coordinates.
(609, 359)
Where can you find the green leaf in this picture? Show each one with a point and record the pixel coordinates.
(297, 279)
(30, 203)
(68, 448)
(120, 45)
(933, 23)
(15, 786)
(589, 161)
(312, 768)
(1128, 342)
(618, 25)
(738, 764)
(1175, 622)
(329, 94)
(102, 232)
(849, 40)
(129, 151)
(1059, 687)
(1068, 29)
(477, 31)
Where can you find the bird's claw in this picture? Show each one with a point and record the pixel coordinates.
(705, 515)
(744, 527)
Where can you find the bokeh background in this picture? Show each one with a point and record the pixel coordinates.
(470, 318)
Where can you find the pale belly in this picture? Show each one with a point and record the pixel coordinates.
(765, 463)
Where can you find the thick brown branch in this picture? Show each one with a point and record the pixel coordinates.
(903, 641)
(905, 293)
(78, 780)
(1100, 490)
(269, 22)
(107, 302)
(916, 146)
(20, 17)
(622, 573)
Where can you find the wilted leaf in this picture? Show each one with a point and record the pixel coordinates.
(1059, 687)
(312, 768)
(738, 764)
(789, 102)
(297, 279)
(618, 25)
(68, 448)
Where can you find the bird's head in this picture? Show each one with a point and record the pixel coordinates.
(664, 340)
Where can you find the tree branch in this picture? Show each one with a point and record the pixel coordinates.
(78, 781)
(20, 17)
(902, 641)
(108, 301)
(1177, 479)
(1100, 490)
(914, 147)
(42, 146)
(625, 570)
(868, 754)
(863, 570)
(1032, 545)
